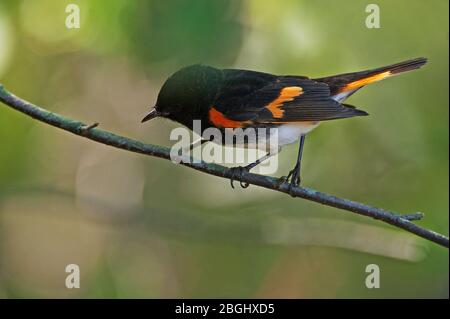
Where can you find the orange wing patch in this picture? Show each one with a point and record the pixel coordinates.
(220, 120)
(287, 94)
(365, 81)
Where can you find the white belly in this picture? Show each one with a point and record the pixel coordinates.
(287, 134)
(290, 133)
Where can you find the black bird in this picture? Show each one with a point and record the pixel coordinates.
(232, 98)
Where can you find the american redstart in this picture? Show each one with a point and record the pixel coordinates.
(232, 98)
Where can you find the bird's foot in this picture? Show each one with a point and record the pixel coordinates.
(293, 179)
(239, 171)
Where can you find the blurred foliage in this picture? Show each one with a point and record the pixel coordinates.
(184, 32)
(142, 227)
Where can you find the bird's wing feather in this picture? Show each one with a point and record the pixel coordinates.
(260, 98)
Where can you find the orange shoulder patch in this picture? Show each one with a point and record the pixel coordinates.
(220, 120)
(365, 81)
(287, 94)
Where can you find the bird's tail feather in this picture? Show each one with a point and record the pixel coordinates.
(350, 82)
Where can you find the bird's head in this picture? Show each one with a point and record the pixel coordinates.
(187, 94)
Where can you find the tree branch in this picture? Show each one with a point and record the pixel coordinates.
(104, 137)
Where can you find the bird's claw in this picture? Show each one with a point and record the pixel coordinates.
(293, 179)
(282, 180)
(240, 170)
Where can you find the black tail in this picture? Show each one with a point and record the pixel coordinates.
(348, 83)
(353, 110)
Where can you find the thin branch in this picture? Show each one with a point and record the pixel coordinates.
(104, 137)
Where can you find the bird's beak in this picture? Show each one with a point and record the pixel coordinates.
(150, 115)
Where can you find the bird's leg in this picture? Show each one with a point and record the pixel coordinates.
(189, 149)
(293, 177)
(241, 169)
(194, 144)
(296, 179)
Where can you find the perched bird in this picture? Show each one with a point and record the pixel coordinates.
(232, 98)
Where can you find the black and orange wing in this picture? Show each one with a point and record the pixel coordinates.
(253, 98)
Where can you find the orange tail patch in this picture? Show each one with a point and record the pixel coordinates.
(360, 83)
(287, 94)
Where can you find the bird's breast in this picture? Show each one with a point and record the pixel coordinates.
(290, 133)
(265, 140)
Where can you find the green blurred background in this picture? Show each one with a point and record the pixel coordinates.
(143, 227)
